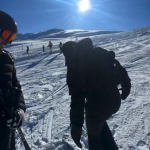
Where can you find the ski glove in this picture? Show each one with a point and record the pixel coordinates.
(76, 135)
(17, 120)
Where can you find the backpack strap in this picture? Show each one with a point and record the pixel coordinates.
(10, 55)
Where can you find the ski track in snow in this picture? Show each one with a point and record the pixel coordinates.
(43, 79)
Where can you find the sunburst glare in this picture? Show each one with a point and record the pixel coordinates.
(84, 5)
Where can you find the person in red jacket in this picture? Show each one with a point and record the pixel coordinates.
(8, 82)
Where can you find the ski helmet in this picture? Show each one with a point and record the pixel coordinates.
(7, 23)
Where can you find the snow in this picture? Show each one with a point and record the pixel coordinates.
(43, 79)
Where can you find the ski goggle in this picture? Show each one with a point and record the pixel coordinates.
(8, 35)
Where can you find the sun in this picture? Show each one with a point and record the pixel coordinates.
(84, 5)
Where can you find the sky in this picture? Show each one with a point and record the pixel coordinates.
(33, 16)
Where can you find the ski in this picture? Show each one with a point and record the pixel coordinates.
(59, 89)
(23, 139)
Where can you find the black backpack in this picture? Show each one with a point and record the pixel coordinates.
(93, 69)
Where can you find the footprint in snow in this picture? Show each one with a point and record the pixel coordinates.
(40, 95)
(142, 145)
(131, 147)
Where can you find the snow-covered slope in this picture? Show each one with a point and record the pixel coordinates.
(43, 79)
(59, 33)
(37, 35)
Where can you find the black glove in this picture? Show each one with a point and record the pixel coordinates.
(76, 135)
(17, 120)
(124, 93)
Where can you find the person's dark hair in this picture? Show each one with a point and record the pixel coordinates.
(67, 47)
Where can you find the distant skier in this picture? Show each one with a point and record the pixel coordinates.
(94, 74)
(50, 46)
(27, 50)
(43, 48)
(60, 46)
(12, 105)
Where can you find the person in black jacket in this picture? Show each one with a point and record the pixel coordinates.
(8, 82)
(27, 50)
(60, 46)
(98, 104)
(43, 48)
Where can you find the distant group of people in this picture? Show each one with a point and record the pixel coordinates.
(50, 45)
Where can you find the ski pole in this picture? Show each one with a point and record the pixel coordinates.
(26, 145)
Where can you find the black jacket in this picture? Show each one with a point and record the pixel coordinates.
(8, 78)
(73, 73)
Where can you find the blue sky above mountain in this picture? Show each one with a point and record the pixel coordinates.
(40, 15)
